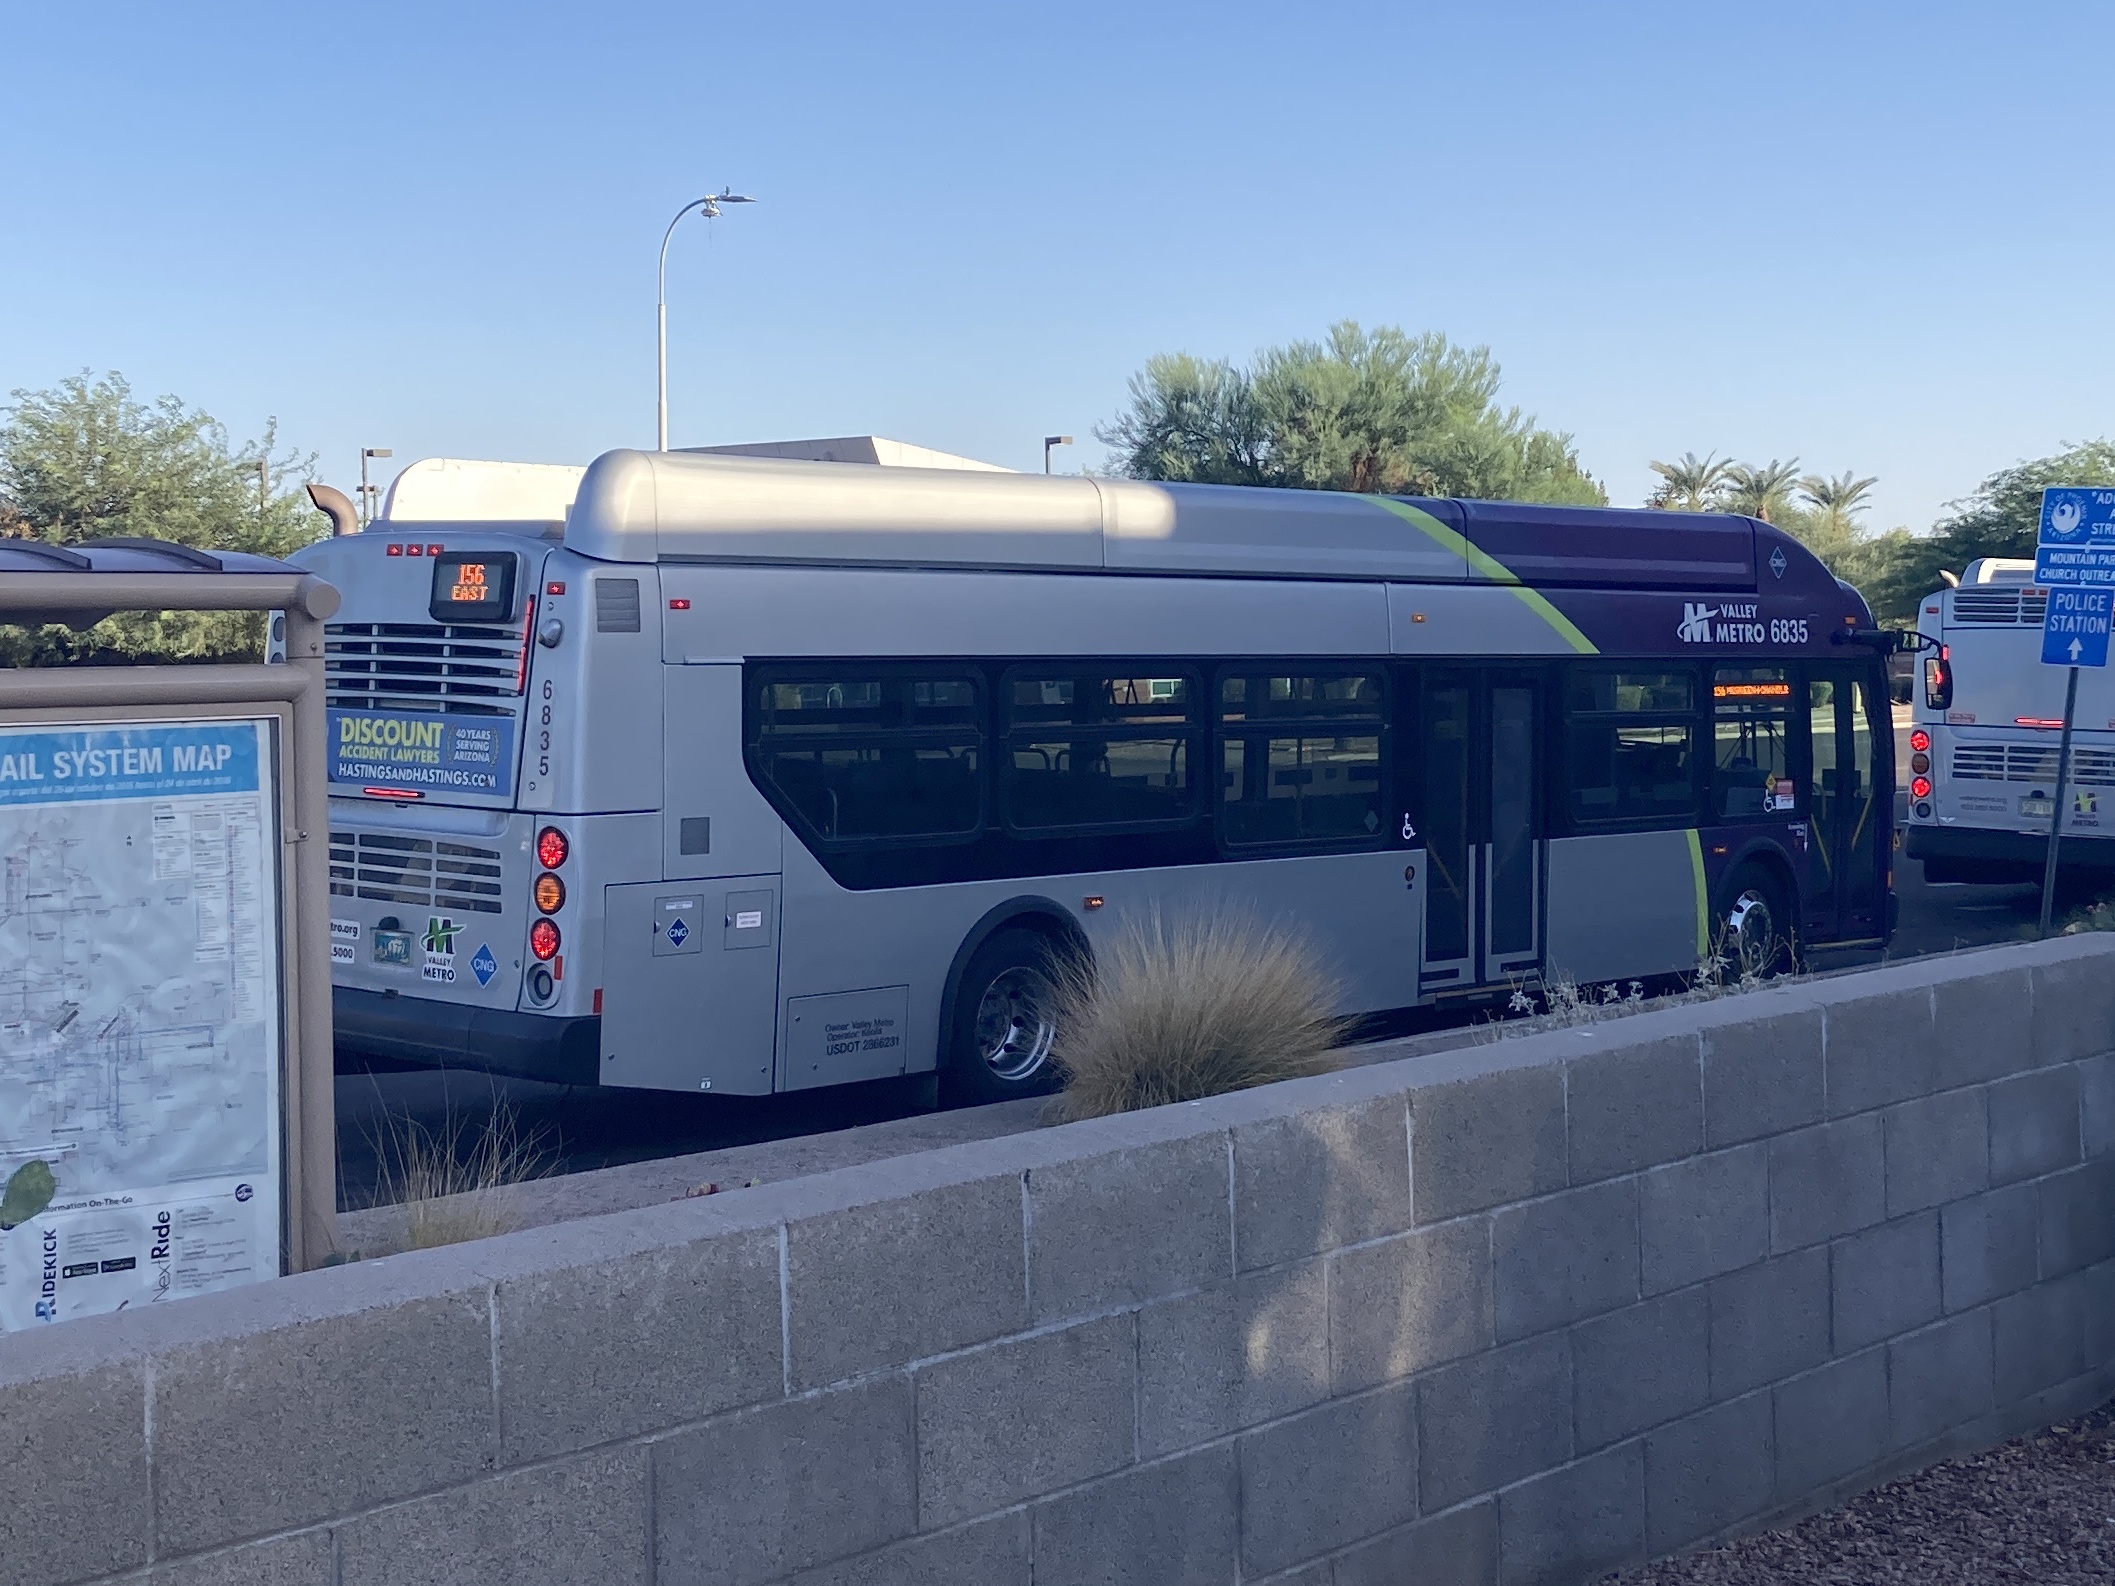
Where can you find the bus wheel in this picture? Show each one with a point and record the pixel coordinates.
(1004, 1031)
(1757, 922)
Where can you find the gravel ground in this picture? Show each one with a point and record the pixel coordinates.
(2039, 1509)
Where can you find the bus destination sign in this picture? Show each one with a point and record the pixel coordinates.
(473, 586)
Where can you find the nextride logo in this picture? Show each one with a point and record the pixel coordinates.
(1696, 622)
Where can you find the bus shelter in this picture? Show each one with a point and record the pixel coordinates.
(166, 1112)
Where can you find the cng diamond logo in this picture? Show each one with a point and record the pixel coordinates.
(484, 965)
(678, 932)
(1696, 622)
(1777, 561)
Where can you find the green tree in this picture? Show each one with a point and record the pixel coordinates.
(1837, 501)
(1760, 492)
(87, 461)
(1690, 485)
(1378, 411)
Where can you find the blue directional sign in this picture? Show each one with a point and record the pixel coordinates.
(2075, 631)
(2077, 541)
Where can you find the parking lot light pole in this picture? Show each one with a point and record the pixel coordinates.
(710, 206)
(1050, 441)
(367, 491)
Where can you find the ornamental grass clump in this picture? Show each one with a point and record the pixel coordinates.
(1175, 1010)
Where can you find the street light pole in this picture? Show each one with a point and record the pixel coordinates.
(367, 491)
(1050, 441)
(710, 205)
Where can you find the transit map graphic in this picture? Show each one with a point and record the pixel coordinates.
(139, 1012)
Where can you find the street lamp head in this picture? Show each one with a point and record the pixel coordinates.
(709, 205)
(376, 451)
(1057, 440)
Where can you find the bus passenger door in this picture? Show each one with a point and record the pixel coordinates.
(1481, 744)
(1847, 827)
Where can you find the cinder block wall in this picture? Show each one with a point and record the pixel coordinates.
(1514, 1314)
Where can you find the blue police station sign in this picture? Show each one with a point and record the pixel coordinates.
(2077, 541)
(2075, 632)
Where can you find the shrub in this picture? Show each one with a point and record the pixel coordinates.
(447, 1180)
(1175, 1011)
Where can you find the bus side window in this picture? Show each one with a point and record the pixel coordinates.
(1300, 758)
(888, 756)
(1751, 718)
(1095, 750)
(1631, 746)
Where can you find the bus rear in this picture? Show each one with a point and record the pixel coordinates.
(479, 680)
(1987, 725)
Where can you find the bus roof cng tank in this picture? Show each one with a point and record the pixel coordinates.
(635, 506)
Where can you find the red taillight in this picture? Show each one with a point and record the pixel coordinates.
(1920, 740)
(528, 628)
(543, 941)
(554, 588)
(392, 793)
(1920, 787)
(414, 550)
(551, 848)
(394, 550)
(679, 605)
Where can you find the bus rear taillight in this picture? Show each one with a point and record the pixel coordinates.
(1920, 787)
(1938, 680)
(543, 941)
(1920, 740)
(551, 848)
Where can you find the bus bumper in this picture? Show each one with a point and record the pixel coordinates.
(494, 1040)
(1950, 854)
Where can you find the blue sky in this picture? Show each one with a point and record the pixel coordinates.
(1871, 236)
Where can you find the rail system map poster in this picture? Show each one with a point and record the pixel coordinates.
(140, 1031)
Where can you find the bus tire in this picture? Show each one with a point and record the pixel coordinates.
(1001, 1045)
(1755, 921)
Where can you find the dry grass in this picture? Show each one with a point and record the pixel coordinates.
(1194, 1007)
(447, 1182)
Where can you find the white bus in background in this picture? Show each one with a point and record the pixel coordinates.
(745, 774)
(1983, 744)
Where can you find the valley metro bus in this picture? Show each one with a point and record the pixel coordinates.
(738, 774)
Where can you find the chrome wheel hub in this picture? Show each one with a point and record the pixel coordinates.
(1013, 1030)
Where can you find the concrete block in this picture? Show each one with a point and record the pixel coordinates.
(1705, 1216)
(1640, 1366)
(2077, 1218)
(1762, 1076)
(2096, 1287)
(892, 1281)
(1458, 1548)
(346, 1411)
(1171, 1524)
(1494, 1418)
(1884, 1281)
(1769, 1321)
(1407, 1303)
(1315, 1180)
(1570, 1256)
(300, 1559)
(2096, 1087)
(1827, 1180)
(1831, 1423)
(74, 1433)
(1128, 1226)
(764, 1493)
(1633, 1107)
(2034, 1124)
(583, 1519)
(1482, 1141)
(1938, 1150)
(1988, 1245)
(588, 1354)
(2074, 1009)
(1238, 1353)
(990, 1552)
(1327, 1478)
(1978, 1033)
(2037, 1340)
(1939, 1378)
(1707, 1473)
(1573, 1524)
(1015, 1419)
(1879, 1046)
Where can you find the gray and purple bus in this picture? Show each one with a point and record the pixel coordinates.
(737, 774)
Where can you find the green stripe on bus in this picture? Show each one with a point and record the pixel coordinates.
(1491, 569)
(1703, 904)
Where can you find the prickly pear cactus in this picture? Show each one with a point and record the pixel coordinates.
(28, 1192)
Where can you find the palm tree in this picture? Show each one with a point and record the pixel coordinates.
(1838, 500)
(1689, 485)
(1758, 492)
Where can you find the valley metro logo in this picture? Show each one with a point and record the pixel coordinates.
(1696, 622)
(440, 934)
